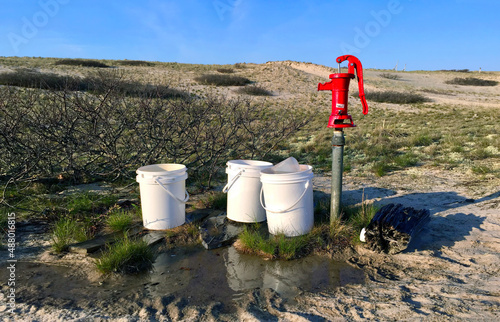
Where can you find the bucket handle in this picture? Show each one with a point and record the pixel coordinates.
(171, 194)
(284, 210)
(230, 184)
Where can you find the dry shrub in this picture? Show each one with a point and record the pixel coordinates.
(471, 81)
(254, 90)
(107, 135)
(394, 97)
(222, 80)
(81, 62)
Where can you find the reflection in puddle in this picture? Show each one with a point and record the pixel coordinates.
(193, 275)
(314, 273)
(224, 274)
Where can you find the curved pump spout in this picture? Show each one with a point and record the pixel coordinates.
(339, 85)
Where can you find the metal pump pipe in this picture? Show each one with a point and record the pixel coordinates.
(338, 142)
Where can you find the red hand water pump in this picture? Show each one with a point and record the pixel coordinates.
(339, 85)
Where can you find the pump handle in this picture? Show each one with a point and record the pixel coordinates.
(354, 63)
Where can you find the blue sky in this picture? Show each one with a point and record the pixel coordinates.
(427, 35)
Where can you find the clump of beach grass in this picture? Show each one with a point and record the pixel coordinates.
(126, 256)
(325, 237)
(120, 220)
(67, 231)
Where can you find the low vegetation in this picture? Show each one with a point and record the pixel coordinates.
(100, 83)
(225, 70)
(455, 70)
(187, 234)
(324, 237)
(136, 63)
(67, 231)
(394, 97)
(30, 78)
(222, 80)
(81, 63)
(213, 200)
(126, 256)
(120, 221)
(254, 90)
(471, 81)
(390, 76)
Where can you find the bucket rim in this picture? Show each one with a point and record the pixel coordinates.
(162, 169)
(249, 164)
(304, 169)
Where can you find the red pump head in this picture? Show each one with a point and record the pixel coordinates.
(339, 85)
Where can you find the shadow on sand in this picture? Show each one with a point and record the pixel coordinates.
(441, 231)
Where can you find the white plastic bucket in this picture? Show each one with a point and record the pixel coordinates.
(288, 201)
(163, 195)
(243, 188)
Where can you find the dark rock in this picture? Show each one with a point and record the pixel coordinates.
(92, 245)
(153, 237)
(217, 231)
(197, 215)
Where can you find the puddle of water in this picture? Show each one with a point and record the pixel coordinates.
(224, 275)
(195, 274)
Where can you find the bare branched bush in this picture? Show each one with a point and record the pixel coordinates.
(105, 134)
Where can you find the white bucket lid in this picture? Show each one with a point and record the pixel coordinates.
(167, 171)
(247, 167)
(271, 176)
(289, 165)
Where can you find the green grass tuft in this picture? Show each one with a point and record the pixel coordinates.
(120, 221)
(358, 217)
(126, 256)
(67, 231)
(381, 168)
